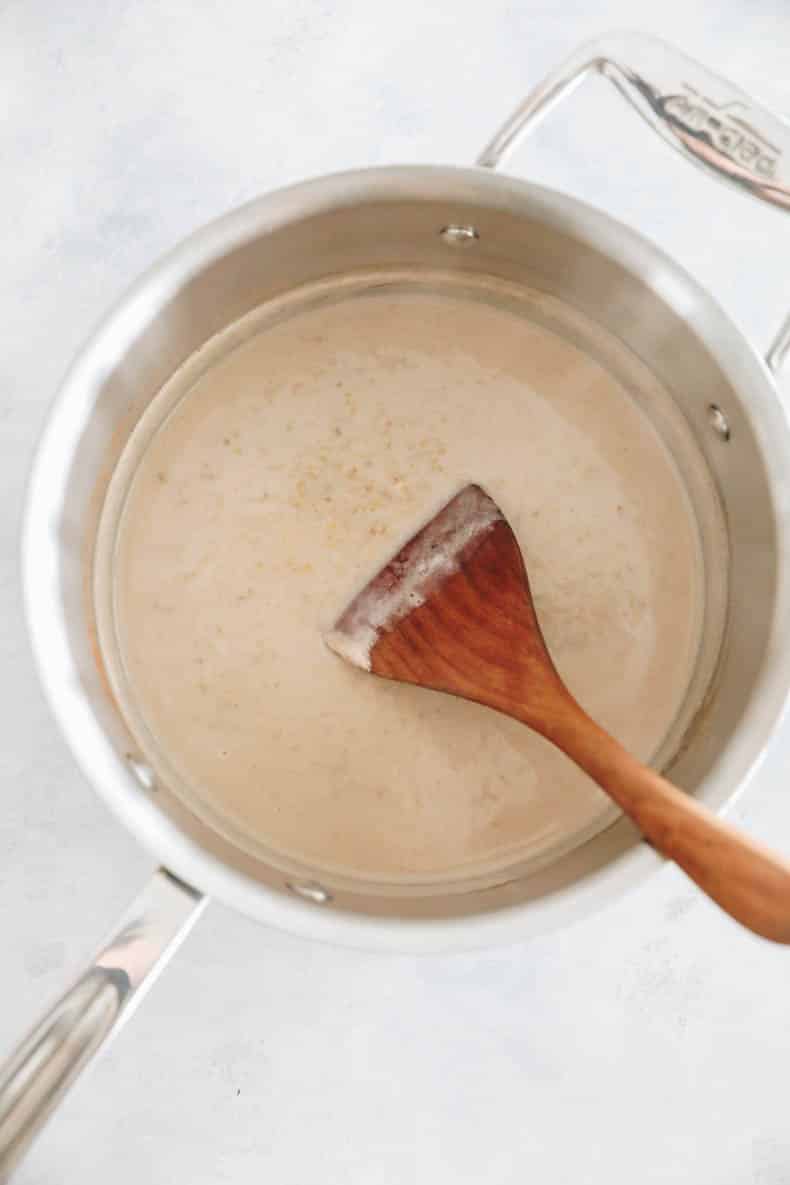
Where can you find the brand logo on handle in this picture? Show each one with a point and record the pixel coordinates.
(724, 130)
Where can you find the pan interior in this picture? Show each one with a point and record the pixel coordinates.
(283, 463)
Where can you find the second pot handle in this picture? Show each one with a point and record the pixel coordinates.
(42, 1068)
(708, 120)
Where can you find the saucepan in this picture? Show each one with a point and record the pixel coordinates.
(470, 223)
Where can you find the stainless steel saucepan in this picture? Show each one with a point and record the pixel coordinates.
(602, 279)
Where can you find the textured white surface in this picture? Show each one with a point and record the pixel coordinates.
(647, 1045)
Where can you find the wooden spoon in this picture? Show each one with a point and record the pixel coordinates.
(453, 611)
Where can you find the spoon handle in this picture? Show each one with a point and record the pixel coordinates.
(748, 881)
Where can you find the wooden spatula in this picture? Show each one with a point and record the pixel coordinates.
(453, 611)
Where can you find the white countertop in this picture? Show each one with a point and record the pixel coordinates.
(647, 1045)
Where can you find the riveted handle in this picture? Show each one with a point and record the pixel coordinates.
(41, 1069)
(707, 119)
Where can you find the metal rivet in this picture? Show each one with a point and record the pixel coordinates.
(142, 771)
(459, 236)
(311, 891)
(718, 421)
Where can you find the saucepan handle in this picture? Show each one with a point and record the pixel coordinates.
(708, 120)
(42, 1068)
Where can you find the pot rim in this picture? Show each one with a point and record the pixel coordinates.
(46, 618)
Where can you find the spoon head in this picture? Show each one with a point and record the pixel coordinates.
(453, 611)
